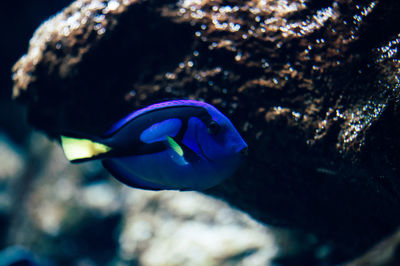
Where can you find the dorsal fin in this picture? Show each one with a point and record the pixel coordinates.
(175, 103)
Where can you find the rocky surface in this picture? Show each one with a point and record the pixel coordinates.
(312, 86)
(79, 215)
(386, 253)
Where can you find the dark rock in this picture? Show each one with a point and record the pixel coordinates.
(386, 253)
(21, 18)
(313, 87)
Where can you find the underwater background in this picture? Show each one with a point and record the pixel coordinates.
(312, 86)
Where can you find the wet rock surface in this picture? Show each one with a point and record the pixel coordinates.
(312, 86)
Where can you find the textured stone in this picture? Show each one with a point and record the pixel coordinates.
(68, 218)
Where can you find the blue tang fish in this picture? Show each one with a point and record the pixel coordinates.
(176, 145)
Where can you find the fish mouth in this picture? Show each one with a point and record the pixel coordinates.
(244, 151)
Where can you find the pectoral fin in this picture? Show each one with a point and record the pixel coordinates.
(175, 152)
(76, 149)
(181, 153)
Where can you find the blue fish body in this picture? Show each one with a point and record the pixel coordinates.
(177, 145)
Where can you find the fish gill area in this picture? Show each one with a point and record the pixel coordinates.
(312, 86)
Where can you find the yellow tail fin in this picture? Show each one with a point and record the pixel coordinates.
(79, 149)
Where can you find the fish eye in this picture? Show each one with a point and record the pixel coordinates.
(213, 128)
